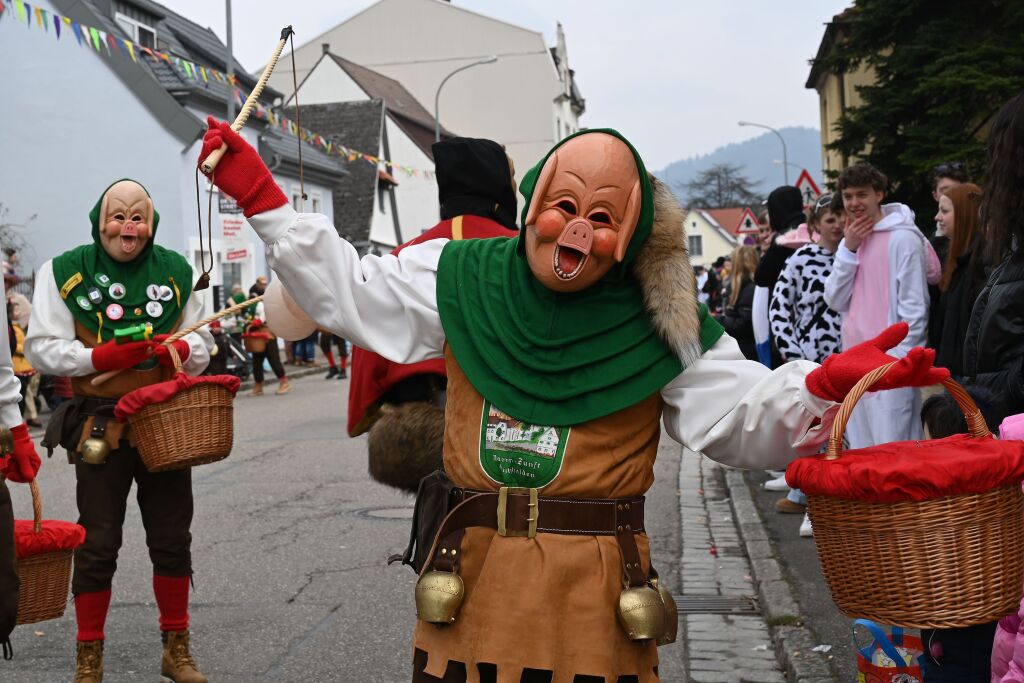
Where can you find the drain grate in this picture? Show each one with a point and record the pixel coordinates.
(716, 604)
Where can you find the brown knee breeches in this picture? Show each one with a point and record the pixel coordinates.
(165, 501)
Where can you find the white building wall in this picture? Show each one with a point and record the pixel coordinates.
(419, 42)
(415, 196)
(71, 129)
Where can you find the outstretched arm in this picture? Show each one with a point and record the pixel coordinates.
(385, 304)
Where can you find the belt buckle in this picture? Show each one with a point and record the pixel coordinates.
(503, 511)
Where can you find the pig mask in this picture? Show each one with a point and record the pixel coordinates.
(125, 220)
(583, 212)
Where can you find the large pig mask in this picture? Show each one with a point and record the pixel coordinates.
(126, 219)
(583, 212)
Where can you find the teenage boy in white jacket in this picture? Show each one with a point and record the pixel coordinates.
(879, 278)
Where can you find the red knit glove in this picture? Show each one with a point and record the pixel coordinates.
(23, 463)
(113, 356)
(164, 355)
(241, 173)
(841, 371)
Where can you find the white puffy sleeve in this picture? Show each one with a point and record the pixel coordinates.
(201, 341)
(10, 386)
(742, 414)
(386, 304)
(50, 344)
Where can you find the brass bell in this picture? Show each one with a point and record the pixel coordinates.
(642, 613)
(671, 615)
(439, 596)
(95, 451)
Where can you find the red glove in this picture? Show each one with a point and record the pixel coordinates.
(841, 371)
(241, 173)
(113, 356)
(164, 355)
(23, 463)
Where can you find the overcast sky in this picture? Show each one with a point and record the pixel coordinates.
(673, 75)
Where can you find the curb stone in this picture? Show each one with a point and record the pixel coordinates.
(792, 640)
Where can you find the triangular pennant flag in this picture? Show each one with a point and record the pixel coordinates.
(111, 44)
(94, 34)
(26, 13)
(77, 28)
(103, 41)
(56, 24)
(2, 8)
(42, 20)
(129, 46)
(202, 72)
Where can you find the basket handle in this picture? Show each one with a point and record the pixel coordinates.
(975, 421)
(37, 507)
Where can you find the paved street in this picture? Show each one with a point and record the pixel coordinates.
(290, 537)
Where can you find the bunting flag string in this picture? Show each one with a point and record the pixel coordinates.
(101, 41)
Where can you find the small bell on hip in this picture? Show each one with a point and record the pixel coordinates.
(439, 596)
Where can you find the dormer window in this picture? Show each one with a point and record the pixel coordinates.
(137, 29)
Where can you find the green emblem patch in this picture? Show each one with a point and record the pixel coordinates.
(514, 453)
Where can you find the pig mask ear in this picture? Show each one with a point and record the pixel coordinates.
(628, 222)
(541, 188)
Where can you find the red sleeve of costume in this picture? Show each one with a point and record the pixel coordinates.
(371, 374)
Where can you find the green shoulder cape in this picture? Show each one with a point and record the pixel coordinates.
(88, 267)
(552, 358)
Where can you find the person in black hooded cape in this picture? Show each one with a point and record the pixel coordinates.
(477, 195)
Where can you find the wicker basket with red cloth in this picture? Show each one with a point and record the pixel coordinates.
(919, 534)
(44, 549)
(183, 422)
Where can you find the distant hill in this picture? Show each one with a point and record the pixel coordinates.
(755, 158)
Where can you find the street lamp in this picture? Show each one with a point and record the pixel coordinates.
(787, 163)
(437, 96)
(785, 157)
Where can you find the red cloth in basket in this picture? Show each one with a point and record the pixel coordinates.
(912, 470)
(134, 401)
(54, 535)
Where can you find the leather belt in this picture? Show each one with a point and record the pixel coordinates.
(522, 512)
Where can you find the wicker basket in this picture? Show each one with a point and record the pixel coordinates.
(945, 563)
(194, 427)
(44, 578)
(254, 344)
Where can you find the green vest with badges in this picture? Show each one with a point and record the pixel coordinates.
(105, 295)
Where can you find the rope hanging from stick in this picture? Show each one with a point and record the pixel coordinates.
(210, 163)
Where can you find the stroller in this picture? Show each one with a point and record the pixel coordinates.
(228, 356)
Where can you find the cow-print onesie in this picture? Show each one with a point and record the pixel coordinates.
(802, 325)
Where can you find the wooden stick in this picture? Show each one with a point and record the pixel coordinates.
(210, 162)
(230, 310)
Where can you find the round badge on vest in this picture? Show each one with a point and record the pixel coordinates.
(155, 309)
(138, 312)
(103, 280)
(95, 296)
(166, 293)
(84, 303)
(153, 292)
(117, 291)
(115, 312)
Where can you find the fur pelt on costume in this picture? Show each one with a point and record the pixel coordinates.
(666, 277)
(406, 444)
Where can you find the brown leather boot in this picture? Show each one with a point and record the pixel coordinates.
(177, 663)
(257, 389)
(89, 663)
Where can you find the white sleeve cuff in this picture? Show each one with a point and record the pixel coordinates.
(843, 253)
(274, 224)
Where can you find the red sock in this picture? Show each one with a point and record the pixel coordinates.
(344, 362)
(329, 355)
(91, 614)
(172, 599)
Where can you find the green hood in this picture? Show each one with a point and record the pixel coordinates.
(554, 358)
(89, 266)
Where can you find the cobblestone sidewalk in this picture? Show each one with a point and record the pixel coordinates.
(718, 648)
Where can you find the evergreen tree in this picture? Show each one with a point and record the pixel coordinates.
(721, 186)
(944, 68)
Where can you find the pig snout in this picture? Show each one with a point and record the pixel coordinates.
(578, 235)
(129, 229)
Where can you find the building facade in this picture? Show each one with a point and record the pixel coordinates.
(526, 100)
